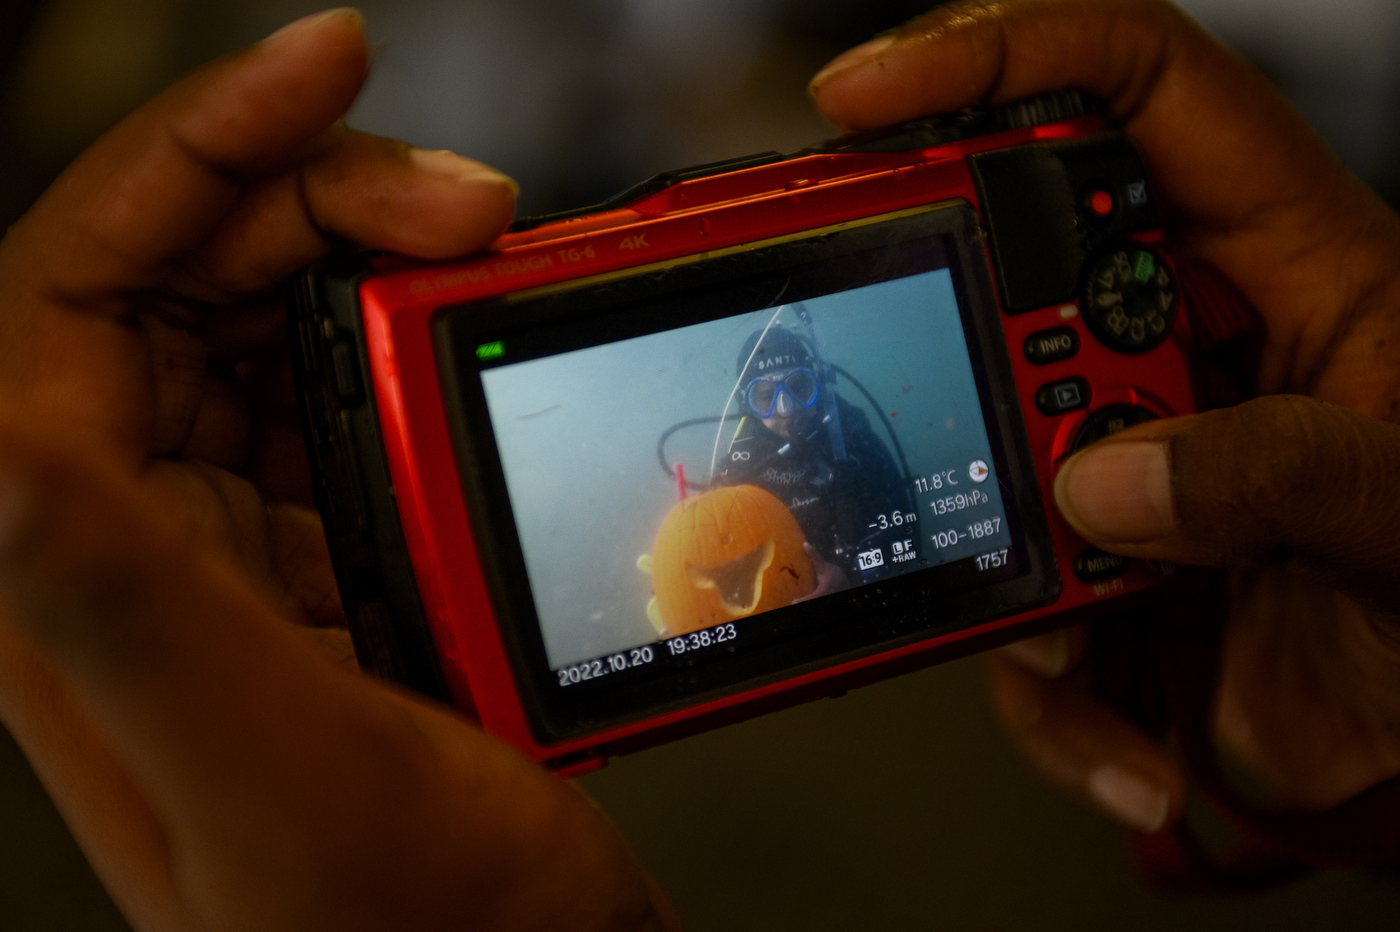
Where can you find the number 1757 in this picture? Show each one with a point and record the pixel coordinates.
(987, 561)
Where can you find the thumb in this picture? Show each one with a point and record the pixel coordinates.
(1282, 479)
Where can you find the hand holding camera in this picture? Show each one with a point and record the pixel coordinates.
(187, 732)
(1291, 494)
(217, 770)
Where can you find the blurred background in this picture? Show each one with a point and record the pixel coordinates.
(899, 805)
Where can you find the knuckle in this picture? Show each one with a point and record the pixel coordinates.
(1274, 450)
(1242, 462)
(1282, 472)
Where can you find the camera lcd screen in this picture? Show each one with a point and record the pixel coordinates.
(851, 448)
(711, 462)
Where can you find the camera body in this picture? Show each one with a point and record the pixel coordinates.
(859, 366)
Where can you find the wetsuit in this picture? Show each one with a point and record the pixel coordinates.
(837, 505)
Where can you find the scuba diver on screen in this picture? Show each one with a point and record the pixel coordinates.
(817, 453)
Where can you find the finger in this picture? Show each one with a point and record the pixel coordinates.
(376, 192)
(1249, 184)
(1050, 655)
(279, 546)
(1086, 750)
(243, 152)
(1308, 709)
(235, 411)
(260, 760)
(301, 565)
(228, 181)
(335, 645)
(148, 192)
(1279, 480)
(161, 179)
(972, 51)
(1220, 141)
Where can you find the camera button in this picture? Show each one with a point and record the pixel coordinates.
(1060, 397)
(1046, 346)
(1093, 565)
(1108, 421)
(1100, 203)
(345, 364)
(1129, 297)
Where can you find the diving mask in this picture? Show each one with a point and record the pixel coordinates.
(783, 395)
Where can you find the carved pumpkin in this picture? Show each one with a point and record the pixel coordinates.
(726, 554)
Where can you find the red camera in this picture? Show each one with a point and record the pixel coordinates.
(749, 434)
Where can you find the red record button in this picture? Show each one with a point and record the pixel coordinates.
(1100, 203)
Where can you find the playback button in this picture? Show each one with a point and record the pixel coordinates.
(1062, 396)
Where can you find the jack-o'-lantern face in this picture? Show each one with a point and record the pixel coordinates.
(726, 554)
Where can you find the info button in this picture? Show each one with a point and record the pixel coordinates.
(1060, 397)
(1047, 346)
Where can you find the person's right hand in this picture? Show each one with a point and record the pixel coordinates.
(1299, 496)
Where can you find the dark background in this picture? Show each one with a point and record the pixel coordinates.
(900, 805)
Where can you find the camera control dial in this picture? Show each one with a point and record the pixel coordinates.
(1129, 297)
(1107, 421)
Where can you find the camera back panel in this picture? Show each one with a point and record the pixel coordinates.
(500, 441)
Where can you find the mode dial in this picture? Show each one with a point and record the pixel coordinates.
(1129, 297)
(1044, 108)
(1107, 421)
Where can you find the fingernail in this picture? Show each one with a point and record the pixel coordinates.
(1047, 654)
(309, 23)
(448, 164)
(1130, 799)
(1118, 492)
(851, 58)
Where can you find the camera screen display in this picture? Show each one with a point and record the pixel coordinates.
(819, 445)
(717, 461)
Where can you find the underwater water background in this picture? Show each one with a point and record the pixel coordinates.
(578, 434)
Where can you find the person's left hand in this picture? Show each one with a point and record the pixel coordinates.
(217, 770)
